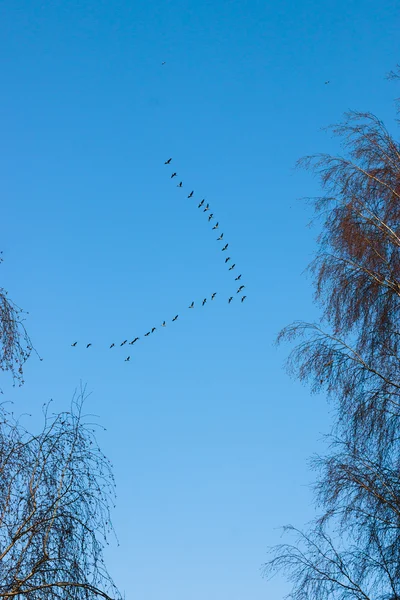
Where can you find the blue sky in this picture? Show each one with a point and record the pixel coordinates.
(208, 436)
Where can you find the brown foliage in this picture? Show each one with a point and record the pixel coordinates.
(352, 550)
(357, 281)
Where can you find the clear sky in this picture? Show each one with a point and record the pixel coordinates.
(208, 436)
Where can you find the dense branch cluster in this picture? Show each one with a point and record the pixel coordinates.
(15, 344)
(352, 550)
(56, 489)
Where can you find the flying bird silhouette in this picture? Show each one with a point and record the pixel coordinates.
(128, 359)
(192, 305)
(175, 318)
(180, 184)
(153, 329)
(210, 216)
(216, 227)
(227, 258)
(123, 343)
(146, 334)
(238, 277)
(225, 247)
(88, 346)
(204, 301)
(326, 82)
(163, 324)
(191, 194)
(201, 204)
(230, 299)
(112, 345)
(173, 175)
(213, 295)
(167, 162)
(133, 341)
(243, 298)
(220, 237)
(206, 208)
(240, 289)
(74, 344)
(232, 267)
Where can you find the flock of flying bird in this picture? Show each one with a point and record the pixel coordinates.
(220, 238)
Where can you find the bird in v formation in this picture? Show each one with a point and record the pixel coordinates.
(220, 238)
(210, 216)
(153, 329)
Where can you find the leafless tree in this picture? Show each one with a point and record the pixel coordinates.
(352, 550)
(15, 344)
(354, 352)
(56, 489)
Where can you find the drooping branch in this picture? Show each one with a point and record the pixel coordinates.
(56, 490)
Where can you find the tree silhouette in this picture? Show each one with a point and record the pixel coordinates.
(15, 344)
(56, 489)
(352, 550)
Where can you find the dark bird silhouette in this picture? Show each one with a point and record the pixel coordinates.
(112, 345)
(230, 299)
(146, 334)
(173, 175)
(201, 204)
(175, 318)
(240, 289)
(167, 162)
(88, 346)
(204, 301)
(191, 194)
(216, 226)
(213, 295)
(206, 208)
(133, 341)
(153, 329)
(123, 343)
(243, 298)
(163, 324)
(180, 184)
(225, 247)
(326, 82)
(128, 358)
(227, 258)
(192, 305)
(163, 63)
(74, 344)
(210, 216)
(232, 267)
(238, 277)
(220, 237)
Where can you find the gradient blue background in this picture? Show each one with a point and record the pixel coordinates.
(208, 436)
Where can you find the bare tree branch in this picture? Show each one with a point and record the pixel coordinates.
(56, 490)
